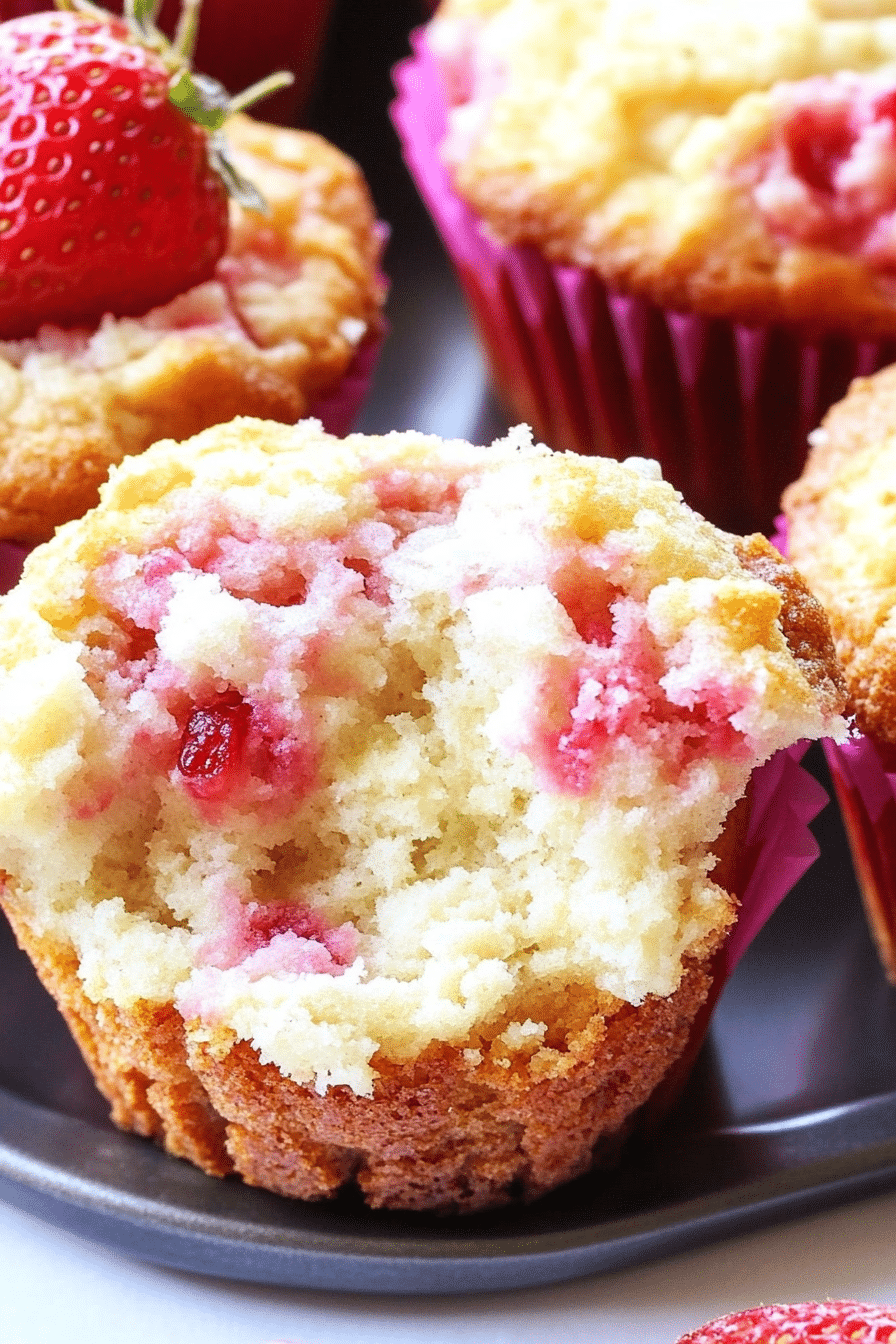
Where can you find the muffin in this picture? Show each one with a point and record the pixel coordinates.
(841, 528)
(287, 327)
(674, 222)
(377, 809)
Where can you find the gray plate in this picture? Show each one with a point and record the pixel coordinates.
(792, 1107)
(793, 1102)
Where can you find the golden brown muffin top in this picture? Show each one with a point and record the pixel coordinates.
(729, 158)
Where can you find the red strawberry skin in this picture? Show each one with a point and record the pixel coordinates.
(108, 203)
(240, 43)
(802, 1323)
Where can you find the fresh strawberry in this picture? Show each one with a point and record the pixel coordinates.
(108, 198)
(239, 43)
(802, 1323)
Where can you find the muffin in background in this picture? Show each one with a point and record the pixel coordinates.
(288, 326)
(841, 534)
(674, 223)
(378, 810)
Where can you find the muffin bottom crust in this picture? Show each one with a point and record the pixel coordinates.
(440, 1133)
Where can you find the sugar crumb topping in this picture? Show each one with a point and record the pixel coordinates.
(734, 158)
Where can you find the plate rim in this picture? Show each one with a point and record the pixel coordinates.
(121, 1217)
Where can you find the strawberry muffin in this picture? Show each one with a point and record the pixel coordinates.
(135, 302)
(842, 535)
(374, 808)
(675, 221)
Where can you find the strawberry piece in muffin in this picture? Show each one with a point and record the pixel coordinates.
(828, 178)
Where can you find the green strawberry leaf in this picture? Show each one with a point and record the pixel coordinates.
(200, 98)
(142, 12)
(239, 188)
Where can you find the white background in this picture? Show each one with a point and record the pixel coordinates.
(56, 1289)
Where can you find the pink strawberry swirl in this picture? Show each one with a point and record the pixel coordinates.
(828, 177)
(267, 938)
(621, 688)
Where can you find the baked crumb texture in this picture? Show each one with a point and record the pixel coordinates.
(732, 159)
(359, 799)
(295, 306)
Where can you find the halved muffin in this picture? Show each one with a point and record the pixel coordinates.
(360, 800)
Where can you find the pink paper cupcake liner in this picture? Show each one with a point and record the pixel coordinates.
(863, 772)
(12, 558)
(777, 850)
(779, 846)
(337, 410)
(724, 407)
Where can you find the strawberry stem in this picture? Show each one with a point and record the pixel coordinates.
(260, 89)
(142, 13)
(140, 16)
(186, 32)
(199, 97)
(83, 7)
